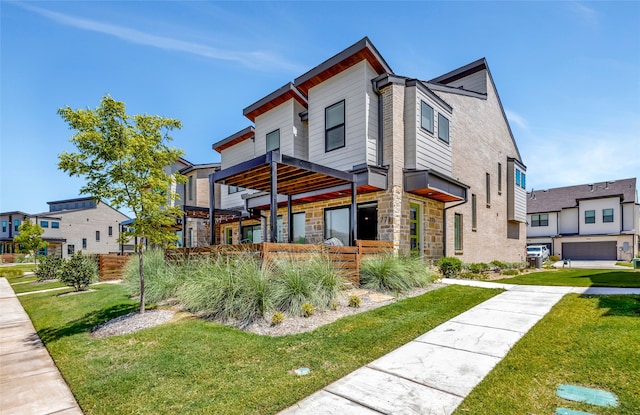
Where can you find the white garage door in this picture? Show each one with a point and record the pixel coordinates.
(589, 250)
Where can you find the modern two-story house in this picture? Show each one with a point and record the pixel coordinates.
(70, 225)
(350, 150)
(589, 221)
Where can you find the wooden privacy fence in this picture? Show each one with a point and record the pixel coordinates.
(112, 266)
(346, 259)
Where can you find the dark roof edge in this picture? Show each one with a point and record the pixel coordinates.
(249, 130)
(453, 90)
(425, 89)
(77, 199)
(363, 43)
(518, 162)
(461, 72)
(199, 166)
(288, 87)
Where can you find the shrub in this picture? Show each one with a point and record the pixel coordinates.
(449, 266)
(78, 271)
(49, 268)
(354, 301)
(277, 318)
(511, 272)
(474, 276)
(10, 273)
(334, 305)
(478, 267)
(307, 309)
(394, 273)
(554, 258)
(498, 265)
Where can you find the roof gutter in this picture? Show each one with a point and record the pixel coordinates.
(444, 223)
(379, 155)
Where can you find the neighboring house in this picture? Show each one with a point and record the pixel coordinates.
(350, 150)
(194, 197)
(588, 221)
(70, 225)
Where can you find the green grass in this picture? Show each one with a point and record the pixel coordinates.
(7, 270)
(588, 341)
(576, 277)
(624, 264)
(26, 283)
(194, 366)
(37, 286)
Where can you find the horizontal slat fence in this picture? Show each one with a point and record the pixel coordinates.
(345, 259)
(112, 266)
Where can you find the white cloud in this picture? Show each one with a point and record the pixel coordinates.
(586, 14)
(517, 119)
(253, 59)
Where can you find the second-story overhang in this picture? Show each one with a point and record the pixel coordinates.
(277, 97)
(356, 53)
(234, 139)
(434, 185)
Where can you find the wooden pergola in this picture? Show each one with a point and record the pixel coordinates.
(276, 173)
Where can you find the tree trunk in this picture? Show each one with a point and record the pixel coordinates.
(141, 272)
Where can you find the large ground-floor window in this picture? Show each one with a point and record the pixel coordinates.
(299, 228)
(251, 234)
(337, 223)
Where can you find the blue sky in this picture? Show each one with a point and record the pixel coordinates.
(568, 73)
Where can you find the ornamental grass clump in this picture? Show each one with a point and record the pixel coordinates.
(394, 273)
(161, 278)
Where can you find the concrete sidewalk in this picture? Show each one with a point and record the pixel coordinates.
(30, 382)
(435, 372)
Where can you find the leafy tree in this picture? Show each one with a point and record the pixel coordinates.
(30, 238)
(123, 158)
(78, 271)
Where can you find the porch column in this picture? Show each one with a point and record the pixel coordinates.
(212, 211)
(289, 219)
(239, 227)
(274, 202)
(353, 235)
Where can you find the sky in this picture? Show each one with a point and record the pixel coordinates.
(568, 73)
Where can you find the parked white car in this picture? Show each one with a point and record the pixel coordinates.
(538, 251)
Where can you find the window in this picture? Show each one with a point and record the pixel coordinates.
(97, 236)
(229, 236)
(190, 188)
(251, 234)
(337, 224)
(110, 230)
(499, 178)
(488, 188)
(16, 225)
(457, 232)
(70, 249)
(474, 213)
(55, 225)
(44, 223)
(190, 238)
(443, 128)
(235, 189)
(299, 231)
(84, 243)
(279, 231)
(607, 215)
(589, 216)
(273, 140)
(426, 121)
(540, 220)
(523, 181)
(4, 226)
(334, 134)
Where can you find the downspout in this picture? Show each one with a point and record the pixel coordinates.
(444, 223)
(379, 153)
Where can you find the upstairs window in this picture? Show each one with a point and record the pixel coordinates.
(540, 220)
(4, 226)
(499, 178)
(523, 180)
(474, 213)
(110, 230)
(44, 223)
(426, 121)
(443, 128)
(589, 216)
(334, 135)
(190, 188)
(55, 225)
(517, 177)
(97, 236)
(488, 189)
(607, 215)
(457, 232)
(16, 225)
(273, 140)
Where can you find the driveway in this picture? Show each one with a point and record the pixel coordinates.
(594, 264)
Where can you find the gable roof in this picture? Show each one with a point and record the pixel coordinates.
(556, 199)
(359, 51)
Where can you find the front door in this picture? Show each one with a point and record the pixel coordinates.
(368, 221)
(414, 228)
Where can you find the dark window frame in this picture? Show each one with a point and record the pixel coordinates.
(324, 221)
(589, 216)
(110, 231)
(71, 249)
(84, 243)
(267, 140)
(234, 189)
(488, 188)
(539, 220)
(190, 188)
(458, 239)
(474, 213)
(44, 223)
(55, 225)
(499, 178)
(607, 218)
(293, 226)
(422, 117)
(446, 139)
(343, 125)
(97, 236)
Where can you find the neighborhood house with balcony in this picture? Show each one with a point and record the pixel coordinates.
(597, 221)
(350, 150)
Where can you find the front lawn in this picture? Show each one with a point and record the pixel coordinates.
(193, 366)
(585, 340)
(577, 277)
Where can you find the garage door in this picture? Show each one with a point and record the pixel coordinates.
(589, 250)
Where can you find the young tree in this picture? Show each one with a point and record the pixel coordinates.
(30, 240)
(123, 158)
